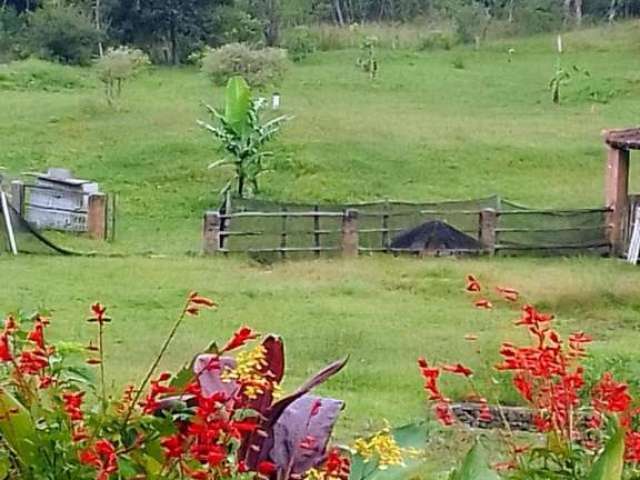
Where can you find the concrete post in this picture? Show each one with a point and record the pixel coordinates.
(211, 233)
(17, 196)
(350, 242)
(488, 225)
(617, 196)
(97, 216)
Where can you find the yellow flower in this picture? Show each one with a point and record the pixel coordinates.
(249, 372)
(381, 446)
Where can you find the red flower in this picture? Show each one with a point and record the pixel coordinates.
(172, 446)
(444, 413)
(483, 303)
(5, 349)
(337, 466)
(610, 396)
(458, 369)
(430, 376)
(472, 284)
(37, 335)
(240, 338)
(196, 303)
(73, 405)
(267, 468)
(509, 294)
(101, 456)
(98, 312)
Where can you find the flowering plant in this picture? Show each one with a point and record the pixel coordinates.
(590, 431)
(221, 417)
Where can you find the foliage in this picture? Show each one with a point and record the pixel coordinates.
(368, 59)
(561, 78)
(436, 40)
(116, 67)
(299, 43)
(549, 376)
(471, 22)
(64, 34)
(34, 74)
(259, 67)
(243, 135)
(217, 418)
(11, 27)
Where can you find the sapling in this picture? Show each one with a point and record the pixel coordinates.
(368, 61)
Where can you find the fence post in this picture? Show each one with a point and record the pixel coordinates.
(617, 193)
(350, 241)
(211, 233)
(97, 216)
(488, 225)
(17, 196)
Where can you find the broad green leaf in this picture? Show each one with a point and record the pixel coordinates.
(5, 465)
(237, 104)
(476, 466)
(611, 462)
(17, 428)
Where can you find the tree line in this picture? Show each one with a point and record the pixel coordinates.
(171, 30)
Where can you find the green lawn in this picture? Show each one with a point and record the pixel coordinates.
(425, 130)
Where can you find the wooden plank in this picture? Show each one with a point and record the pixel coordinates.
(281, 214)
(551, 230)
(634, 247)
(384, 238)
(283, 235)
(278, 250)
(316, 233)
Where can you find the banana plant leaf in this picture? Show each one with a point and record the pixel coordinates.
(301, 434)
(610, 463)
(237, 105)
(17, 428)
(210, 378)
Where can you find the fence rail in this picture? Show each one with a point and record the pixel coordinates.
(311, 230)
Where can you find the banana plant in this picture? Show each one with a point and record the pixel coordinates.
(243, 135)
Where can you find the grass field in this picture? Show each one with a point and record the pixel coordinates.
(425, 130)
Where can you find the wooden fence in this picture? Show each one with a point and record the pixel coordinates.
(342, 232)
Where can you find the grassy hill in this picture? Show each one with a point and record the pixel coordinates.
(435, 125)
(423, 130)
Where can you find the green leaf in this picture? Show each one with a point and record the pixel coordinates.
(17, 428)
(611, 462)
(237, 104)
(476, 466)
(5, 465)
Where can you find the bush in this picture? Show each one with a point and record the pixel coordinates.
(437, 40)
(35, 74)
(471, 23)
(117, 66)
(258, 67)
(63, 34)
(299, 43)
(10, 30)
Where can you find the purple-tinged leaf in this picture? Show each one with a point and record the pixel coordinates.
(301, 434)
(208, 370)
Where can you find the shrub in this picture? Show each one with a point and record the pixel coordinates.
(10, 30)
(299, 43)
(259, 67)
(437, 40)
(36, 74)
(471, 23)
(117, 66)
(63, 34)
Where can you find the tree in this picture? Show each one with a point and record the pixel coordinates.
(243, 135)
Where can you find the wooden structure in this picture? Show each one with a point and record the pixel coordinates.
(351, 232)
(619, 145)
(56, 201)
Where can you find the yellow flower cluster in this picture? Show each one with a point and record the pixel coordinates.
(248, 372)
(315, 474)
(381, 446)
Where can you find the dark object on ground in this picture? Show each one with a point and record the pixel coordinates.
(434, 237)
(518, 418)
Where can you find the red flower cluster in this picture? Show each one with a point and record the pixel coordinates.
(102, 456)
(549, 377)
